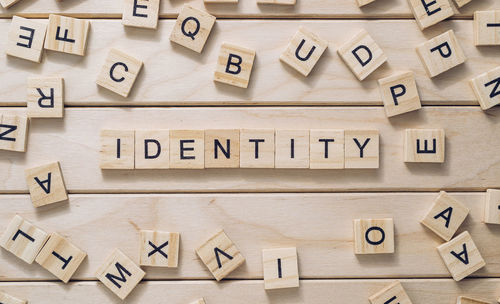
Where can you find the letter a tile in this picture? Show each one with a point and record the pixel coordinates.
(67, 35)
(192, 28)
(159, 248)
(373, 236)
(26, 38)
(141, 13)
(487, 88)
(392, 294)
(8, 299)
(424, 146)
(234, 65)
(46, 184)
(280, 268)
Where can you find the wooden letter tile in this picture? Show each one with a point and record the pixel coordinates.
(220, 1)
(117, 149)
(492, 206)
(199, 301)
(467, 300)
(119, 72)
(373, 236)
(8, 299)
(304, 51)
(192, 28)
(392, 294)
(361, 149)
(13, 132)
(45, 97)
(326, 149)
(440, 54)
(234, 65)
(487, 28)
(152, 149)
(7, 4)
(461, 256)
(23, 239)
(364, 2)
(26, 38)
(430, 12)
(222, 148)
(424, 146)
(281, 268)
(292, 149)
(159, 248)
(46, 184)
(187, 149)
(461, 3)
(487, 88)
(141, 13)
(399, 93)
(67, 35)
(277, 2)
(257, 148)
(120, 274)
(60, 257)
(362, 55)
(220, 255)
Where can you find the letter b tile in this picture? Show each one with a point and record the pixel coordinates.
(192, 28)
(373, 236)
(234, 65)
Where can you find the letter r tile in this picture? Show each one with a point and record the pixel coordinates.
(192, 28)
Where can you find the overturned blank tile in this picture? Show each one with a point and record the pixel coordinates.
(117, 149)
(428, 13)
(326, 149)
(467, 300)
(392, 294)
(13, 132)
(486, 28)
(46, 184)
(45, 97)
(152, 149)
(234, 65)
(292, 149)
(257, 148)
(192, 28)
(373, 236)
(67, 35)
(222, 148)
(361, 149)
(141, 13)
(492, 206)
(399, 93)
(187, 149)
(487, 88)
(26, 38)
(424, 146)
(281, 268)
(7, 4)
(159, 248)
(8, 299)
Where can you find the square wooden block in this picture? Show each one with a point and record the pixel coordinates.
(199, 301)
(428, 13)
(257, 148)
(220, 1)
(187, 149)
(467, 300)
(234, 65)
(119, 72)
(364, 2)
(120, 274)
(8, 299)
(424, 146)
(141, 13)
(461, 256)
(440, 54)
(117, 149)
(281, 268)
(445, 216)
(60, 257)
(304, 51)
(45, 97)
(392, 294)
(461, 3)
(7, 4)
(222, 148)
(192, 28)
(220, 255)
(486, 87)
(326, 149)
(46, 184)
(67, 35)
(486, 28)
(152, 149)
(362, 55)
(373, 236)
(13, 132)
(361, 149)
(26, 38)
(159, 248)
(23, 239)
(292, 149)
(492, 206)
(399, 93)
(277, 2)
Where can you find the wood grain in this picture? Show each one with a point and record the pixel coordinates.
(174, 75)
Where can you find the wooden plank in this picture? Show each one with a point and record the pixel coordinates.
(319, 225)
(174, 75)
(472, 161)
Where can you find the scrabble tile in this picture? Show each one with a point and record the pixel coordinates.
(392, 294)
(23, 239)
(234, 65)
(364, 2)
(141, 13)
(304, 51)
(492, 206)
(486, 87)
(445, 216)
(362, 55)
(192, 28)
(26, 38)
(199, 301)
(7, 4)
(8, 299)
(222, 148)
(46, 184)
(467, 300)
(159, 248)
(220, 1)
(461, 3)
(13, 132)
(280, 268)
(424, 146)
(361, 149)
(152, 149)
(67, 35)
(461, 256)
(440, 54)
(45, 97)
(60, 257)
(292, 149)
(326, 149)
(187, 149)
(373, 236)
(430, 12)
(119, 72)
(117, 149)
(257, 148)
(277, 2)
(399, 93)
(120, 274)
(220, 255)
(486, 28)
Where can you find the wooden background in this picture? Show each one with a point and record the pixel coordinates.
(310, 209)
